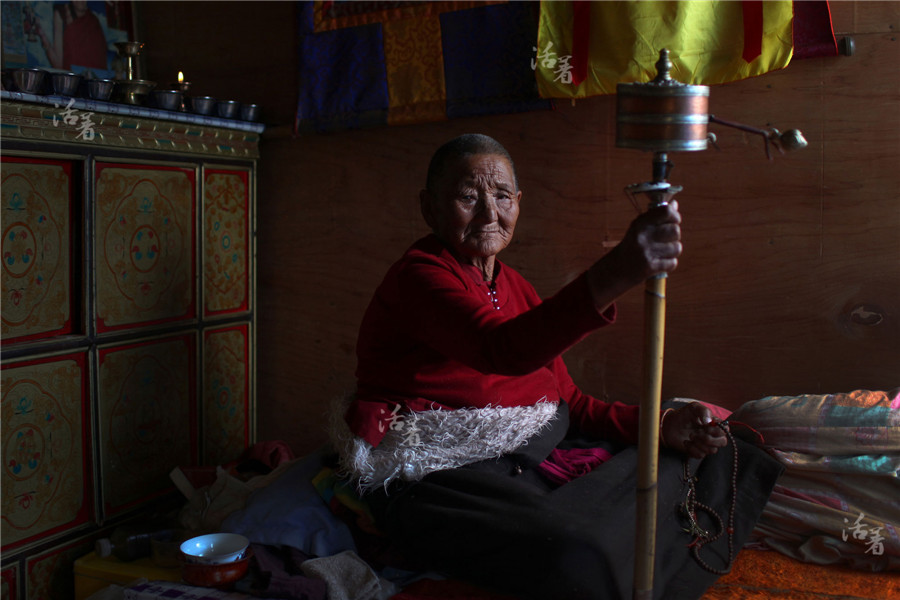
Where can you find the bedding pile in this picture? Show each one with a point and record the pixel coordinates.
(838, 501)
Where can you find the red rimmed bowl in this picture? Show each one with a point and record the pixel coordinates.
(222, 576)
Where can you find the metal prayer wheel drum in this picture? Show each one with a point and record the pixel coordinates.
(662, 115)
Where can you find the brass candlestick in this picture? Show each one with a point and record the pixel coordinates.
(183, 87)
(129, 51)
(132, 89)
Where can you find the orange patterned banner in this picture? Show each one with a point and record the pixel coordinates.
(414, 62)
(376, 63)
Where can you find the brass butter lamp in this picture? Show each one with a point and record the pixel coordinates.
(132, 89)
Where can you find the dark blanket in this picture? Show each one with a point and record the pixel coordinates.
(499, 524)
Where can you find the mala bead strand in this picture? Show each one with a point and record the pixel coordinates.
(691, 505)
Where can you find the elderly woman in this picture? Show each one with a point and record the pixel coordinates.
(475, 450)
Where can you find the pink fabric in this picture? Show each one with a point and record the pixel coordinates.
(718, 412)
(565, 465)
(270, 453)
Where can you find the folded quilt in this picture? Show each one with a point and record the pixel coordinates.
(837, 502)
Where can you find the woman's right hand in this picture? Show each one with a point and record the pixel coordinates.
(651, 246)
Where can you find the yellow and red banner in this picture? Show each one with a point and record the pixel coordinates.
(586, 48)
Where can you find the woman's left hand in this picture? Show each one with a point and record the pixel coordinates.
(692, 430)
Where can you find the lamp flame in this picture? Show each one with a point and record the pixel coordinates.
(180, 77)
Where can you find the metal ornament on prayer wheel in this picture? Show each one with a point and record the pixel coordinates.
(664, 116)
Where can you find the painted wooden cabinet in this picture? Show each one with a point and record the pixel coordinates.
(127, 321)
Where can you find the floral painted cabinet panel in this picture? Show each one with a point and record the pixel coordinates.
(35, 196)
(226, 393)
(226, 241)
(145, 245)
(147, 418)
(46, 460)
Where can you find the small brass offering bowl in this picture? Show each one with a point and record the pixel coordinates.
(249, 112)
(134, 91)
(100, 89)
(203, 105)
(228, 109)
(30, 81)
(167, 99)
(65, 84)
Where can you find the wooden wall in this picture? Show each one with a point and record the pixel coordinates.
(790, 279)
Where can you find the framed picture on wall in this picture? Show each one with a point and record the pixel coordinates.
(66, 35)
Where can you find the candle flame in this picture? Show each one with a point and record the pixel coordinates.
(180, 77)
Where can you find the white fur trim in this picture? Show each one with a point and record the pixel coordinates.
(419, 443)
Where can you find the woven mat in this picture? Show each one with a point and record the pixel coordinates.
(769, 575)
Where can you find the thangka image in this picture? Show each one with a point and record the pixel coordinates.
(71, 35)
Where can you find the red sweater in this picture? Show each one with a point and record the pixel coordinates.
(436, 335)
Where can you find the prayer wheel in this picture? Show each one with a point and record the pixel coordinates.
(662, 115)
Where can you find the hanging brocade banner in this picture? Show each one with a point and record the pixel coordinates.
(586, 48)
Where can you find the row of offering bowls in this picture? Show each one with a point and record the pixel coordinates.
(134, 92)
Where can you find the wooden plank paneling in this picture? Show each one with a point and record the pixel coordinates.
(865, 17)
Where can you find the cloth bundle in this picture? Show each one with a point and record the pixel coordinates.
(837, 502)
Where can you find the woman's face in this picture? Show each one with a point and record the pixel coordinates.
(475, 207)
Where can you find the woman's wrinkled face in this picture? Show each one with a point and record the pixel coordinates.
(475, 207)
